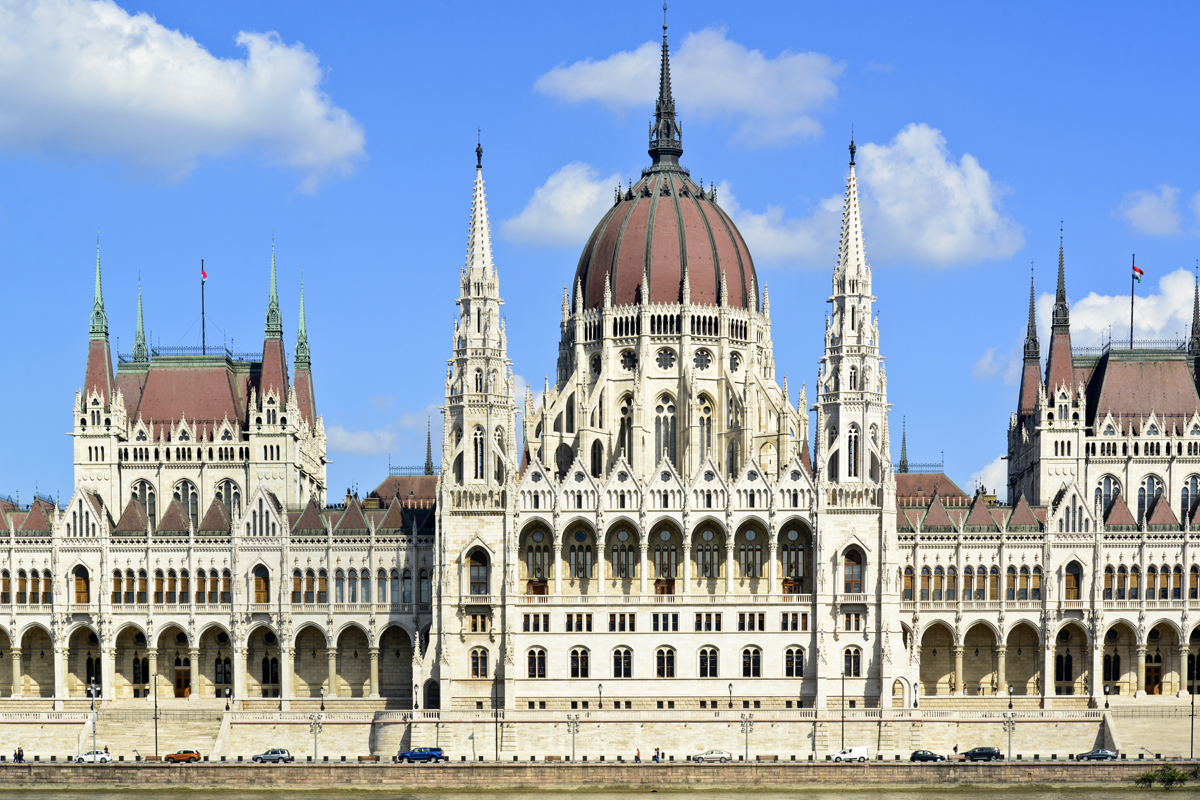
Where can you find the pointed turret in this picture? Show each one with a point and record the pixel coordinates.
(852, 257)
(305, 396)
(1059, 370)
(666, 145)
(98, 376)
(140, 352)
(428, 448)
(1194, 341)
(903, 446)
(1031, 376)
(274, 363)
(479, 243)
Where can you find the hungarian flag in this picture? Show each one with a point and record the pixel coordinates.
(204, 275)
(1137, 274)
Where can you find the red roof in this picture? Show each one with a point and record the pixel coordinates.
(937, 517)
(1160, 514)
(806, 459)
(394, 519)
(1059, 366)
(912, 486)
(133, 519)
(174, 390)
(175, 520)
(665, 232)
(274, 370)
(409, 489)
(98, 375)
(1135, 388)
(216, 519)
(38, 518)
(305, 397)
(1023, 516)
(352, 518)
(981, 516)
(310, 520)
(1118, 514)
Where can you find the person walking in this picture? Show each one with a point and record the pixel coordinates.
(956, 749)
(637, 759)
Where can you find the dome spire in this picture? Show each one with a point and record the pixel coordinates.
(852, 256)
(274, 328)
(99, 318)
(140, 353)
(303, 354)
(666, 144)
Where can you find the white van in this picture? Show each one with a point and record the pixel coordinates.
(852, 754)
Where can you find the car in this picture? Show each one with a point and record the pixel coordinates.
(93, 757)
(712, 755)
(852, 754)
(183, 757)
(1099, 754)
(983, 754)
(276, 756)
(925, 755)
(422, 754)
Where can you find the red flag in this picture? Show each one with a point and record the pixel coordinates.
(1137, 274)
(204, 275)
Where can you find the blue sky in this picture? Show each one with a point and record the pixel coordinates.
(183, 131)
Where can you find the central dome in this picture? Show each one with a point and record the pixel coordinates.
(664, 222)
(662, 225)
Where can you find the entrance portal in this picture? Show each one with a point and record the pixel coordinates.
(183, 677)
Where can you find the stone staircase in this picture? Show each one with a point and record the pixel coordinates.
(129, 731)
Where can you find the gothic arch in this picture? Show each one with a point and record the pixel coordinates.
(345, 626)
(313, 626)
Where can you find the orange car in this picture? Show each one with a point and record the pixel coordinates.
(183, 756)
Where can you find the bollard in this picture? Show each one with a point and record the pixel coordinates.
(897, 757)
(794, 757)
(1140, 756)
(239, 759)
(343, 758)
(515, 758)
(1037, 757)
(1157, 757)
(464, 758)
(222, 759)
(310, 759)
(53, 758)
(1054, 756)
(1018, 756)
(531, 758)
(601, 758)
(37, 758)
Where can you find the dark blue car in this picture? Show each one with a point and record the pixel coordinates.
(422, 754)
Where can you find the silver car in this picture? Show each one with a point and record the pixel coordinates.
(277, 755)
(93, 757)
(712, 755)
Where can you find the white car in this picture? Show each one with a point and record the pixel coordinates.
(712, 755)
(851, 754)
(93, 757)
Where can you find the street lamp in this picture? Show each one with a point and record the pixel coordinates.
(573, 727)
(843, 706)
(1010, 720)
(600, 691)
(731, 695)
(1107, 689)
(92, 689)
(227, 693)
(416, 697)
(747, 727)
(314, 724)
(322, 698)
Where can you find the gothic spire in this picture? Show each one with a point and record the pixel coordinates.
(140, 353)
(666, 145)
(99, 318)
(1194, 342)
(274, 329)
(903, 445)
(303, 355)
(479, 243)
(428, 449)
(1032, 351)
(1062, 312)
(852, 256)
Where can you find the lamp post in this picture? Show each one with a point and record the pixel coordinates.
(314, 724)
(731, 695)
(1010, 720)
(1192, 691)
(747, 727)
(843, 706)
(322, 698)
(600, 691)
(416, 697)
(573, 727)
(227, 693)
(154, 688)
(1107, 689)
(92, 689)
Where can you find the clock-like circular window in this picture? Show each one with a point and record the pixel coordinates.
(666, 358)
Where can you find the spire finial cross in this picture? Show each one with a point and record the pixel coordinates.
(664, 20)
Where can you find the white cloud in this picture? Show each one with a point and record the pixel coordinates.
(918, 204)
(712, 77)
(1005, 366)
(1165, 314)
(404, 436)
(1153, 212)
(361, 443)
(993, 477)
(88, 77)
(564, 210)
(987, 366)
(925, 207)
(1194, 205)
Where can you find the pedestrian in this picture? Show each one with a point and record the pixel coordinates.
(956, 749)
(105, 749)
(656, 755)
(638, 758)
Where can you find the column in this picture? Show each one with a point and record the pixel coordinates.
(194, 659)
(331, 658)
(1001, 678)
(1097, 674)
(644, 564)
(108, 672)
(729, 563)
(1141, 671)
(152, 655)
(287, 663)
(15, 654)
(239, 674)
(557, 566)
(959, 683)
(600, 564)
(687, 565)
(773, 568)
(1181, 687)
(374, 653)
(59, 655)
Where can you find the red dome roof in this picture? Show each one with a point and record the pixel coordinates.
(666, 221)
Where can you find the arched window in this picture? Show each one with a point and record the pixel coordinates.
(622, 663)
(751, 663)
(939, 581)
(1177, 583)
(968, 583)
(143, 492)
(750, 556)
(498, 440)
(951, 584)
(407, 590)
(159, 581)
(853, 663)
(1134, 582)
(666, 662)
(733, 458)
(227, 587)
(310, 587)
(130, 587)
(537, 663)
(994, 584)
(479, 663)
(1194, 582)
(852, 572)
(297, 586)
(478, 459)
(189, 498)
(1107, 491)
(624, 556)
(381, 594)
(793, 663)
(1151, 488)
(339, 587)
(597, 459)
(395, 587)
(852, 452)
(423, 587)
(1023, 590)
(1072, 581)
(83, 590)
(925, 580)
(853, 370)
(1189, 497)
(537, 557)
(664, 561)
(229, 495)
(792, 557)
(579, 663)
(625, 435)
(581, 561)
(1010, 583)
(664, 429)
(706, 425)
(708, 663)
(908, 583)
(479, 573)
(708, 556)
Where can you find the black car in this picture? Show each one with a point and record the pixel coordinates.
(925, 755)
(434, 754)
(983, 754)
(1099, 754)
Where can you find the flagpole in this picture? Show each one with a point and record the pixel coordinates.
(1132, 283)
(203, 343)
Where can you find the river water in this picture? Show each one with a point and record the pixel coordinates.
(933, 793)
